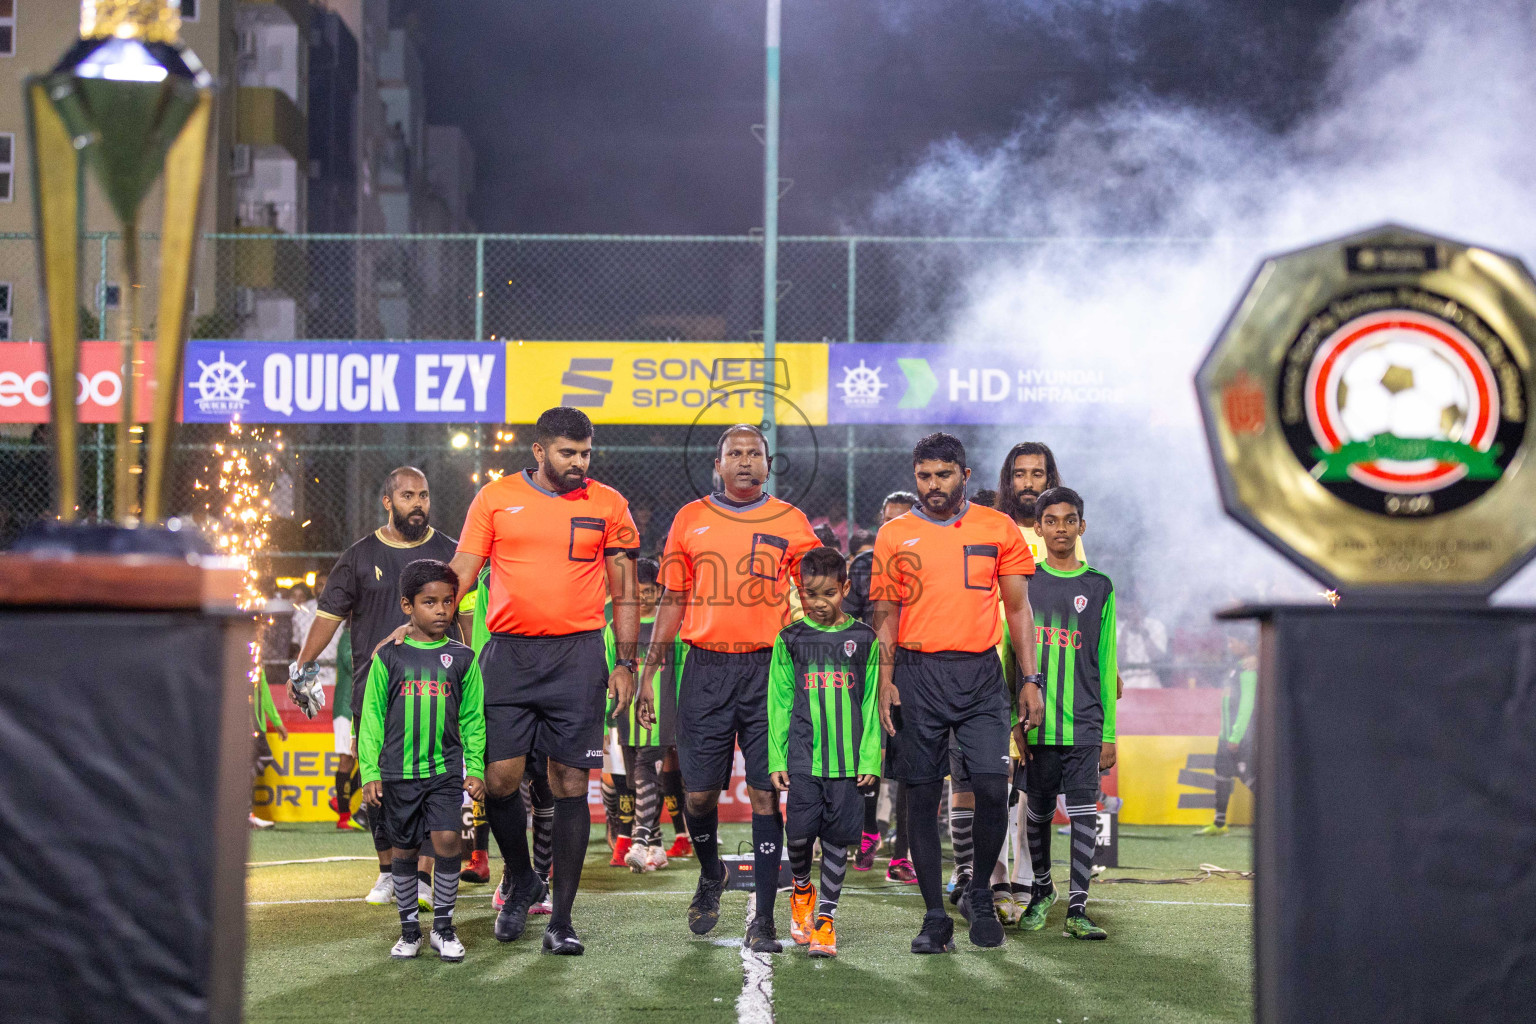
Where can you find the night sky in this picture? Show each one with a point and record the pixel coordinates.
(633, 116)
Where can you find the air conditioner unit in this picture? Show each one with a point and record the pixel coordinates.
(240, 159)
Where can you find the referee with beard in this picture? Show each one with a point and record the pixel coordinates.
(559, 545)
(364, 586)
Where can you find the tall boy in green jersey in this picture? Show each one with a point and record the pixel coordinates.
(824, 739)
(1234, 747)
(1075, 649)
(421, 745)
(644, 747)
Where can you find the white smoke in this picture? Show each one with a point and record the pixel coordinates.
(1421, 120)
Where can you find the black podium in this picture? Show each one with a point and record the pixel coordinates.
(1396, 827)
(125, 725)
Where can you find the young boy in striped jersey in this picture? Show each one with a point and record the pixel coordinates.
(421, 744)
(1074, 607)
(643, 748)
(824, 739)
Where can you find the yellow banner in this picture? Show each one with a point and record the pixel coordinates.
(1167, 780)
(666, 381)
(300, 782)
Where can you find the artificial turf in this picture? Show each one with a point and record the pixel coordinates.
(1175, 953)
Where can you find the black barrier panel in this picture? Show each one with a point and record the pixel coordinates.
(1396, 838)
(109, 734)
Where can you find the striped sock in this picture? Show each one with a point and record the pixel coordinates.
(647, 802)
(404, 874)
(1085, 833)
(961, 820)
(1038, 813)
(1223, 797)
(800, 861)
(445, 892)
(834, 865)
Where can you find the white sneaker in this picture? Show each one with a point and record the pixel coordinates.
(637, 858)
(406, 949)
(259, 822)
(383, 892)
(658, 859)
(424, 895)
(448, 946)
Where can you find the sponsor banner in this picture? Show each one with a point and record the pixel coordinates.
(301, 780)
(25, 391)
(665, 382)
(1166, 756)
(344, 382)
(926, 383)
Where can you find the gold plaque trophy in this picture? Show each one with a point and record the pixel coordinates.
(1367, 410)
(128, 101)
(148, 793)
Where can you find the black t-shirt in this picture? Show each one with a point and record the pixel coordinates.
(364, 587)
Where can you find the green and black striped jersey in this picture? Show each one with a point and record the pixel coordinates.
(663, 732)
(823, 701)
(479, 633)
(1237, 704)
(423, 713)
(1075, 651)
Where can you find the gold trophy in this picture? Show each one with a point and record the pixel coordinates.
(1366, 408)
(128, 100)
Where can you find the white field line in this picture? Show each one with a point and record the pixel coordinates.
(307, 860)
(689, 892)
(755, 1004)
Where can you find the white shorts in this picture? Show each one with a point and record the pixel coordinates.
(342, 727)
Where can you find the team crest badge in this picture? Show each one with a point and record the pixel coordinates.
(849, 646)
(1079, 602)
(446, 659)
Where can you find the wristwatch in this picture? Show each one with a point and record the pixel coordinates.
(1038, 679)
(633, 664)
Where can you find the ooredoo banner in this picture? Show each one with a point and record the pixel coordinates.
(25, 393)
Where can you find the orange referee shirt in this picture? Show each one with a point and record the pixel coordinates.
(944, 576)
(548, 574)
(736, 565)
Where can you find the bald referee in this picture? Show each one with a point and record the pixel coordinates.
(559, 545)
(938, 574)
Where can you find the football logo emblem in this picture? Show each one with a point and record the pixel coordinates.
(1079, 602)
(446, 659)
(1406, 411)
(849, 646)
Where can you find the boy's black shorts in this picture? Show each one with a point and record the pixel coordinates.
(412, 808)
(831, 810)
(722, 702)
(949, 691)
(1057, 770)
(1235, 764)
(545, 695)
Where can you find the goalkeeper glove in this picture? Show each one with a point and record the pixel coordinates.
(305, 689)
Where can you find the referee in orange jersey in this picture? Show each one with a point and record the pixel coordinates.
(559, 545)
(727, 569)
(938, 573)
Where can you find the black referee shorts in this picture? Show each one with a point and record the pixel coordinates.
(722, 702)
(545, 695)
(943, 691)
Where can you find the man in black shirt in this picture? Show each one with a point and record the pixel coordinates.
(364, 588)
